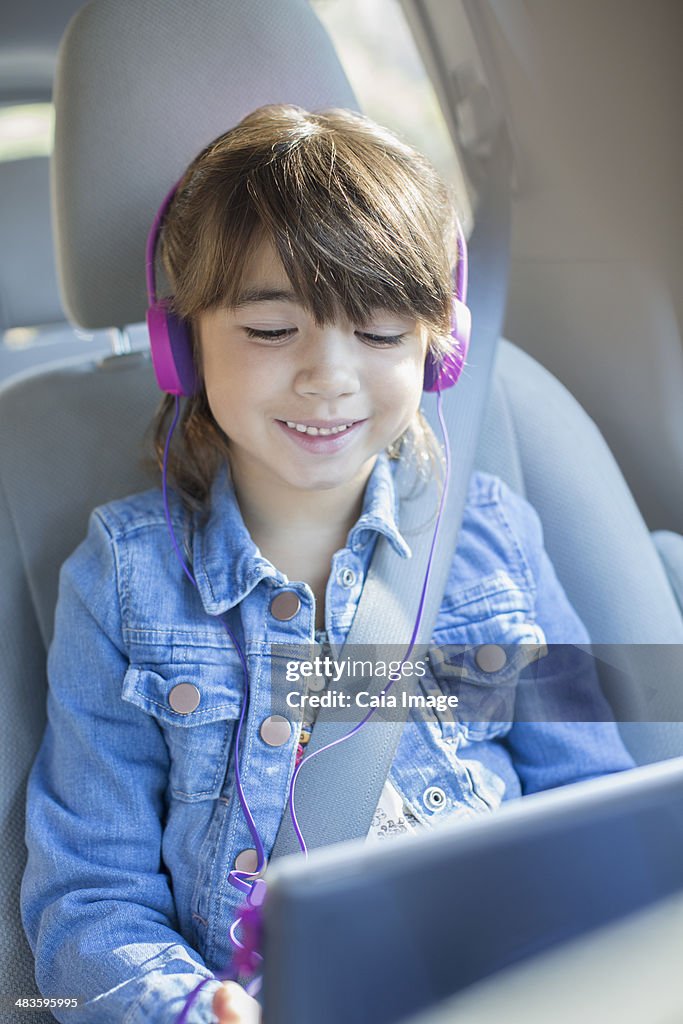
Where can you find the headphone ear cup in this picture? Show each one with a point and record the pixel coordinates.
(171, 345)
(446, 374)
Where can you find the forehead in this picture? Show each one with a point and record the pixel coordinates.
(263, 279)
(264, 266)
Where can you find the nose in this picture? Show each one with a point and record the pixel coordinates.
(327, 368)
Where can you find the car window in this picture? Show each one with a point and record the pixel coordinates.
(380, 56)
(26, 130)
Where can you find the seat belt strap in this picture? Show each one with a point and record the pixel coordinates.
(337, 794)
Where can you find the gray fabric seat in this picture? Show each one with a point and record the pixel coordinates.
(28, 279)
(29, 296)
(70, 437)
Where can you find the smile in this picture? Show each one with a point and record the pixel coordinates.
(320, 439)
(318, 431)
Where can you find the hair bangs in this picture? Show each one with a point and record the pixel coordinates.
(344, 243)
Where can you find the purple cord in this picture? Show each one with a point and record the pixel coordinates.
(182, 1016)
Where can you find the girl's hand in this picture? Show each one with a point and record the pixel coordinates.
(232, 1005)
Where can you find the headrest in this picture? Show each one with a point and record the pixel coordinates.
(29, 296)
(141, 87)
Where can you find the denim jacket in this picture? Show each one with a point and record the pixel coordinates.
(132, 818)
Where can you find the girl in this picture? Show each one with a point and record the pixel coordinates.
(312, 257)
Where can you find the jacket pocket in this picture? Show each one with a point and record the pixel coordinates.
(484, 637)
(197, 707)
(484, 677)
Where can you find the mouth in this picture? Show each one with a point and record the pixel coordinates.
(321, 439)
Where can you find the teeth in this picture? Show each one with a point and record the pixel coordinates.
(315, 431)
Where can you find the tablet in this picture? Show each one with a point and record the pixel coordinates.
(628, 971)
(376, 932)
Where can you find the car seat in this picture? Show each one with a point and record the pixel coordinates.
(141, 87)
(29, 294)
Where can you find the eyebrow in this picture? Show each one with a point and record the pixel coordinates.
(253, 295)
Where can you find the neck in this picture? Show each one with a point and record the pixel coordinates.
(277, 514)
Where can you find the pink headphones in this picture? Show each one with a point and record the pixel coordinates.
(171, 344)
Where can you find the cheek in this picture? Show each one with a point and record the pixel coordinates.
(238, 394)
(220, 371)
(404, 386)
(224, 402)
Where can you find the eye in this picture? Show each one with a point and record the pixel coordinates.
(281, 332)
(381, 339)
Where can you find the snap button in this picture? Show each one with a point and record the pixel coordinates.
(275, 730)
(247, 860)
(317, 683)
(490, 658)
(347, 577)
(184, 698)
(285, 605)
(434, 798)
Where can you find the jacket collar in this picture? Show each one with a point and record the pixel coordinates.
(228, 564)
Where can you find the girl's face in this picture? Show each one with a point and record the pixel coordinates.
(266, 365)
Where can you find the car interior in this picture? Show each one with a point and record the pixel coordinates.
(583, 414)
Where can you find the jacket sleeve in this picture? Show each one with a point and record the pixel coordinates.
(96, 902)
(564, 730)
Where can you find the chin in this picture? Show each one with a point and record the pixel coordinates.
(318, 484)
(322, 480)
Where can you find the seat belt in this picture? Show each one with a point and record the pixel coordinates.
(336, 795)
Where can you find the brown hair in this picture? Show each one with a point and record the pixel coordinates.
(359, 219)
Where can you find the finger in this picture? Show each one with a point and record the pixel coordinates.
(232, 1005)
(225, 1004)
